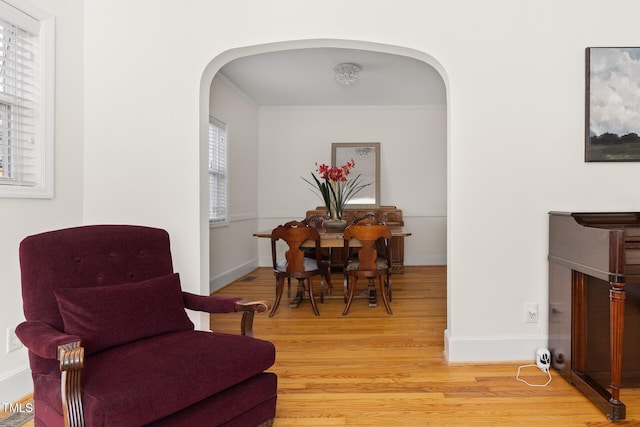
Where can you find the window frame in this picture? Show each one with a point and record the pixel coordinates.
(43, 186)
(224, 219)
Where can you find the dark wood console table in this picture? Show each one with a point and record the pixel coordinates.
(389, 214)
(594, 291)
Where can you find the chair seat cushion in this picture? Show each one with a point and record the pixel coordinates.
(106, 316)
(308, 263)
(249, 403)
(149, 379)
(354, 265)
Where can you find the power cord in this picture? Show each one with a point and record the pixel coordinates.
(546, 370)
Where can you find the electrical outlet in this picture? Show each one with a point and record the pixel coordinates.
(531, 313)
(13, 343)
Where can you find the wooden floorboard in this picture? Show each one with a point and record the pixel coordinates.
(372, 369)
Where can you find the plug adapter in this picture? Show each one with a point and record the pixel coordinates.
(543, 359)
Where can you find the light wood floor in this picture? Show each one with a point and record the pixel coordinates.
(372, 369)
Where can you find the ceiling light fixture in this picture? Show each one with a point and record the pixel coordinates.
(346, 73)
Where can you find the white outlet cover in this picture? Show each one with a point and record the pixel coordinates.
(13, 343)
(531, 313)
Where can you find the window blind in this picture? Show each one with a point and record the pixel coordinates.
(217, 171)
(19, 100)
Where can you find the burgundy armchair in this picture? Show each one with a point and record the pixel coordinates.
(110, 343)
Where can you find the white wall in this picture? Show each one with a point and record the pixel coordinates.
(23, 217)
(515, 82)
(233, 249)
(146, 114)
(412, 166)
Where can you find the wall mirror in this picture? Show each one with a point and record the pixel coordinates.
(366, 156)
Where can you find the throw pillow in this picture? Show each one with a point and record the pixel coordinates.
(106, 316)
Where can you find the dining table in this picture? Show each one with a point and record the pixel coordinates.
(335, 240)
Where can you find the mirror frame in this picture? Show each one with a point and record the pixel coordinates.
(341, 152)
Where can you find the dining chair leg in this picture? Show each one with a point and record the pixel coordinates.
(327, 278)
(389, 287)
(383, 291)
(352, 291)
(345, 290)
(279, 289)
(328, 271)
(311, 297)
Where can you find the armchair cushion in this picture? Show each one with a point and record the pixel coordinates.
(106, 316)
(138, 383)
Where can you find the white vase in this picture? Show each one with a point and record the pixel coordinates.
(335, 225)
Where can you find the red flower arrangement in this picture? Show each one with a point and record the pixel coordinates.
(334, 186)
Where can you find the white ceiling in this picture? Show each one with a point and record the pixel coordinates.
(305, 77)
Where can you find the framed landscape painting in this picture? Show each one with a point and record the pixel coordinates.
(612, 104)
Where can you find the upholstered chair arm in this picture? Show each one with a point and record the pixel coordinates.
(42, 338)
(47, 342)
(219, 304)
(209, 304)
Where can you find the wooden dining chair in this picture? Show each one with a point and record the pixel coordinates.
(295, 265)
(375, 237)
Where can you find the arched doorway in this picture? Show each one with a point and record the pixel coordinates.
(253, 224)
